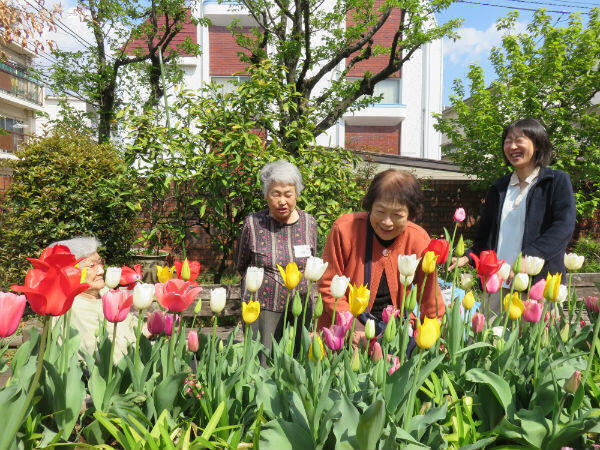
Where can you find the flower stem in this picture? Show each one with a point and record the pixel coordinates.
(333, 315)
(137, 342)
(541, 325)
(112, 354)
(351, 335)
(411, 397)
(304, 315)
(287, 303)
(171, 348)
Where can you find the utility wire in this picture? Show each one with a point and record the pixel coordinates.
(549, 3)
(520, 7)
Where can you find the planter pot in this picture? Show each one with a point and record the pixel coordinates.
(149, 263)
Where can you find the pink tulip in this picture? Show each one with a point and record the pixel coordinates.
(592, 303)
(549, 315)
(193, 343)
(477, 322)
(169, 319)
(375, 350)
(176, 295)
(116, 305)
(156, 322)
(493, 283)
(395, 363)
(459, 215)
(11, 307)
(533, 311)
(344, 319)
(388, 312)
(537, 290)
(334, 337)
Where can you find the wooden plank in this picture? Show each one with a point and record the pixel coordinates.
(584, 279)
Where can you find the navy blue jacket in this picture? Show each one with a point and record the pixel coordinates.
(549, 219)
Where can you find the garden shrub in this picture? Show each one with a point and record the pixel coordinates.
(64, 185)
(590, 248)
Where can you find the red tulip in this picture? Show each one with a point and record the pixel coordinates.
(477, 322)
(194, 270)
(193, 343)
(156, 322)
(129, 276)
(11, 307)
(487, 263)
(57, 257)
(175, 295)
(116, 305)
(51, 292)
(533, 311)
(440, 247)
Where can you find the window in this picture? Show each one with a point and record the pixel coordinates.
(227, 84)
(390, 89)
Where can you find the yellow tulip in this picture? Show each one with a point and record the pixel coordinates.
(358, 299)
(185, 270)
(291, 275)
(250, 311)
(513, 305)
(428, 333)
(468, 300)
(429, 261)
(317, 355)
(552, 288)
(164, 273)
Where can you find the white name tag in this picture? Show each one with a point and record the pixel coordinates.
(301, 251)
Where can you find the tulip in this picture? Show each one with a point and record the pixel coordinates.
(344, 319)
(428, 333)
(562, 293)
(51, 292)
(191, 272)
(460, 247)
(116, 305)
(11, 311)
(315, 268)
(57, 256)
(390, 331)
(176, 295)
(130, 276)
(358, 299)
(440, 247)
(514, 305)
(487, 263)
(504, 271)
(564, 333)
(338, 286)
(406, 281)
(156, 322)
(552, 288)
(477, 322)
(143, 294)
(466, 281)
(355, 360)
(169, 322)
(521, 281)
(218, 298)
(291, 275)
(537, 290)
(395, 363)
(389, 311)
(254, 278)
(493, 283)
(185, 271)
(545, 338)
(250, 311)
(112, 277)
(334, 337)
(407, 264)
(533, 311)
(572, 384)
(370, 329)
(164, 273)
(459, 215)
(533, 265)
(428, 264)
(192, 342)
(379, 374)
(573, 261)
(411, 301)
(497, 331)
(316, 350)
(375, 350)
(198, 307)
(516, 268)
(468, 300)
(592, 303)
(318, 310)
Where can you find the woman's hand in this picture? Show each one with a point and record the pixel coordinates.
(463, 260)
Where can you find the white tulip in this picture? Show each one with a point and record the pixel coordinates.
(143, 294)
(562, 294)
(315, 268)
(497, 331)
(533, 265)
(407, 264)
(573, 261)
(504, 271)
(466, 281)
(521, 281)
(112, 277)
(338, 286)
(406, 281)
(254, 278)
(218, 297)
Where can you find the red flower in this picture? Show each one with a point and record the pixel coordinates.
(116, 305)
(57, 256)
(194, 270)
(176, 295)
(440, 247)
(487, 263)
(51, 292)
(12, 307)
(129, 276)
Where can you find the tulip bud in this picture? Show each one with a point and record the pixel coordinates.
(296, 305)
(112, 277)
(459, 215)
(315, 351)
(390, 330)
(379, 373)
(468, 300)
(338, 286)
(411, 301)
(521, 281)
(254, 278)
(193, 343)
(572, 384)
(143, 294)
(468, 402)
(477, 322)
(370, 329)
(218, 297)
(185, 270)
(592, 303)
(198, 306)
(573, 261)
(504, 271)
(564, 333)
(466, 281)
(516, 268)
(562, 293)
(156, 322)
(460, 247)
(318, 307)
(375, 351)
(545, 338)
(429, 262)
(220, 345)
(407, 265)
(355, 361)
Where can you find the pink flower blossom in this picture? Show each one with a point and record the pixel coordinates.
(12, 307)
(533, 311)
(592, 303)
(375, 350)
(169, 319)
(395, 363)
(116, 305)
(156, 322)
(477, 322)
(459, 215)
(334, 337)
(388, 312)
(537, 290)
(493, 283)
(344, 319)
(193, 343)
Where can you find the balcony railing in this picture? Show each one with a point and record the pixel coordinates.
(15, 81)
(10, 141)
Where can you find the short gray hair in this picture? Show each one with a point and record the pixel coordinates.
(80, 246)
(280, 171)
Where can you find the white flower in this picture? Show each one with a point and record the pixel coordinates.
(112, 277)
(466, 281)
(562, 294)
(573, 261)
(143, 294)
(533, 265)
(407, 264)
(497, 331)
(521, 281)
(406, 281)
(315, 268)
(254, 278)
(218, 297)
(339, 284)
(504, 271)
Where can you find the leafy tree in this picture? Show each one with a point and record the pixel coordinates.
(311, 40)
(549, 73)
(66, 185)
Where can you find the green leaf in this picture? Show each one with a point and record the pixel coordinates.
(497, 384)
(167, 391)
(214, 420)
(370, 425)
(283, 435)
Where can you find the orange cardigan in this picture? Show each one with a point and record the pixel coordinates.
(345, 253)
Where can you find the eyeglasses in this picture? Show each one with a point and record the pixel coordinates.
(92, 264)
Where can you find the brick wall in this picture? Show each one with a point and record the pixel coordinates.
(223, 50)
(373, 139)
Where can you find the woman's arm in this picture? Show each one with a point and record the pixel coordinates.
(244, 249)
(333, 254)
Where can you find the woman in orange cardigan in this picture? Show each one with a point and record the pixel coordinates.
(364, 246)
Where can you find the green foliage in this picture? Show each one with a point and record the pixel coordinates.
(590, 248)
(66, 185)
(549, 73)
